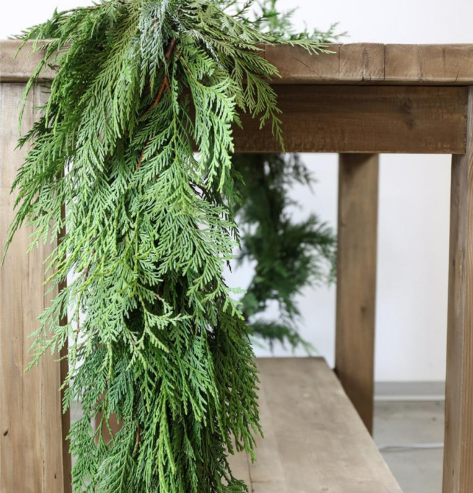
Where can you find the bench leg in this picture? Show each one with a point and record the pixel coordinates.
(34, 454)
(356, 279)
(458, 459)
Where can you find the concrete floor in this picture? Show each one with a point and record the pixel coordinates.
(412, 422)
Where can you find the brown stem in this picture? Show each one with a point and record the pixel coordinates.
(164, 85)
(170, 49)
(178, 53)
(137, 441)
(138, 166)
(159, 96)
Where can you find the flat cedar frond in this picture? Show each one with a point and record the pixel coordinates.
(155, 337)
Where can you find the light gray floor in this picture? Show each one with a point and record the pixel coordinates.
(417, 471)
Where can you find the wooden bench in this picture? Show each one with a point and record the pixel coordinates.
(362, 100)
(314, 440)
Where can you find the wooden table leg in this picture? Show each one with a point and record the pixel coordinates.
(34, 454)
(356, 279)
(458, 459)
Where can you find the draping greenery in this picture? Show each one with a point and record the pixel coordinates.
(155, 337)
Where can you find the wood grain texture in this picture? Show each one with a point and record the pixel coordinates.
(358, 63)
(351, 118)
(347, 64)
(458, 459)
(375, 120)
(31, 423)
(356, 279)
(429, 64)
(314, 440)
(19, 66)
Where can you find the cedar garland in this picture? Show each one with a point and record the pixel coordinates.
(156, 337)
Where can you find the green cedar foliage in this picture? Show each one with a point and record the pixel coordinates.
(288, 255)
(148, 229)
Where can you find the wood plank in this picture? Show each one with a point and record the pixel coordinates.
(269, 467)
(315, 441)
(374, 120)
(347, 64)
(239, 464)
(19, 67)
(356, 279)
(429, 64)
(373, 64)
(357, 63)
(458, 458)
(31, 448)
(327, 119)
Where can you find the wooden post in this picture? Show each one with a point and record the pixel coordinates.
(356, 279)
(458, 459)
(33, 451)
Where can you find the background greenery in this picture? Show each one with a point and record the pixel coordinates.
(287, 255)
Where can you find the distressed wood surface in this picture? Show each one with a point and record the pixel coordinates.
(349, 119)
(394, 119)
(314, 440)
(358, 63)
(356, 279)
(19, 66)
(371, 63)
(458, 458)
(32, 447)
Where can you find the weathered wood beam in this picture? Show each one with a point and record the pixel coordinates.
(33, 452)
(356, 279)
(364, 119)
(358, 63)
(373, 64)
(458, 456)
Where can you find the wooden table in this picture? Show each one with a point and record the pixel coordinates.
(360, 101)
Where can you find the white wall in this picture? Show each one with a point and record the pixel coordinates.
(414, 201)
(414, 191)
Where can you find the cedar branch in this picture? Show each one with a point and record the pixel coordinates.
(164, 85)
